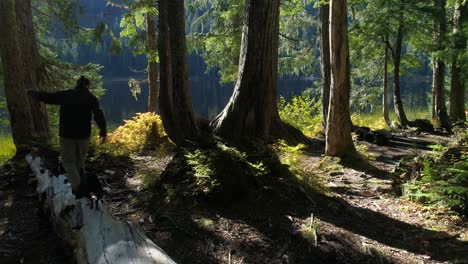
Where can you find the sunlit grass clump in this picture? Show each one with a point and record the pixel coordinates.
(7, 148)
(376, 121)
(137, 134)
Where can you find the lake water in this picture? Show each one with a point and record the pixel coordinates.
(208, 96)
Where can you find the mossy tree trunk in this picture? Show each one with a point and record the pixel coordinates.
(175, 101)
(22, 71)
(325, 61)
(252, 110)
(439, 110)
(338, 134)
(457, 90)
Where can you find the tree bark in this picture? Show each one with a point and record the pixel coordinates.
(252, 111)
(397, 102)
(21, 65)
(338, 134)
(385, 88)
(457, 90)
(165, 58)
(153, 70)
(325, 61)
(439, 110)
(175, 101)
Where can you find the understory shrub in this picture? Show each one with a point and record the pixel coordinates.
(7, 148)
(303, 112)
(443, 179)
(221, 166)
(144, 131)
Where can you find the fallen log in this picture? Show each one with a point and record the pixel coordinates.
(95, 235)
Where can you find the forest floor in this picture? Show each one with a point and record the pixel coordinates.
(363, 221)
(26, 236)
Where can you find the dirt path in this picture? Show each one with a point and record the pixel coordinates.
(405, 231)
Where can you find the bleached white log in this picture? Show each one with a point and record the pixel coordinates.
(95, 235)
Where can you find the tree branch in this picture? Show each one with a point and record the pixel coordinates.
(290, 38)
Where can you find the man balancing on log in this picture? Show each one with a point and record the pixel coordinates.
(76, 108)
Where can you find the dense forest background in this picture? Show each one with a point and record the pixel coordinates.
(209, 93)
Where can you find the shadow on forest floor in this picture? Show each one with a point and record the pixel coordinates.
(267, 229)
(26, 236)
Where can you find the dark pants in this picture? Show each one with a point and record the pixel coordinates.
(73, 154)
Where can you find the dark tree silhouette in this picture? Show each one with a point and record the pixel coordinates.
(175, 101)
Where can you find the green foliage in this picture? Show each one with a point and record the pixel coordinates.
(305, 172)
(443, 180)
(374, 26)
(62, 15)
(63, 75)
(58, 15)
(136, 135)
(298, 44)
(7, 148)
(203, 168)
(207, 165)
(303, 112)
(216, 34)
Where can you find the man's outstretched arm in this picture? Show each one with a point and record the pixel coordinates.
(56, 98)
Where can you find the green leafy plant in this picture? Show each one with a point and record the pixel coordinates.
(203, 168)
(302, 112)
(7, 148)
(309, 230)
(443, 181)
(207, 165)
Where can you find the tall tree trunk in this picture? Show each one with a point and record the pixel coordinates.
(439, 110)
(325, 61)
(165, 58)
(457, 90)
(175, 100)
(338, 134)
(385, 88)
(397, 102)
(32, 62)
(252, 111)
(20, 60)
(153, 70)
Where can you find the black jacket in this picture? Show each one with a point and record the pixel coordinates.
(76, 107)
